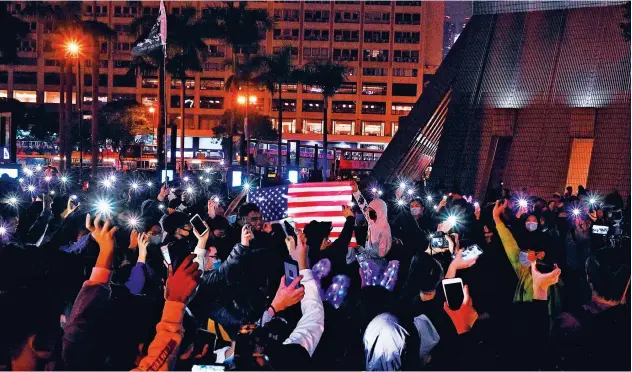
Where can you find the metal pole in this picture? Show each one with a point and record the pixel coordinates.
(164, 100)
(247, 135)
(80, 104)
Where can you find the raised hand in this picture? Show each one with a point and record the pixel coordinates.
(70, 207)
(143, 242)
(347, 212)
(267, 227)
(499, 209)
(542, 282)
(288, 296)
(458, 263)
(246, 235)
(202, 238)
(104, 236)
(164, 191)
(181, 285)
(465, 317)
(299, 253)
(212, 208)
(133, 239)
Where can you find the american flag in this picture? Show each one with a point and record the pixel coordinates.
(305, 202)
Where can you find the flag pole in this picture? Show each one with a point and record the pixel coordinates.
(164, 100)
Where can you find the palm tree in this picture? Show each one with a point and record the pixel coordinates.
(276, 70)
(67, 21)
(242, 29)
(186, 51)
(328, 76)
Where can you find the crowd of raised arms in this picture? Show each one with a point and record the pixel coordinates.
(119, 274)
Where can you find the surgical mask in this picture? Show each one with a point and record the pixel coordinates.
(415, 211)
(373, 215)
(155, 239)
(531, 226)
(217, 264)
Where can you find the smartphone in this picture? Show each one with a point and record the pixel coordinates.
(198, 224)
(454, 293)
(544, 268)
(600, 229)
(165, 254)
(291, 272)
(471, 252)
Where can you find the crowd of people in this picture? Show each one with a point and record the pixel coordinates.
(117, 274)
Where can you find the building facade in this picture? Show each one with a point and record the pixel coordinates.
(388, 46)
(532, 94)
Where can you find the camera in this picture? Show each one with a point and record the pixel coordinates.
(439, 240)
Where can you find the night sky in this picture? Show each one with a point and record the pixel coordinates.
(458, 10)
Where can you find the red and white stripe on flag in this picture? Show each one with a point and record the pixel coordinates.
(320, 201)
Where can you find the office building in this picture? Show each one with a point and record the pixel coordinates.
(389, 47)
(533, 94)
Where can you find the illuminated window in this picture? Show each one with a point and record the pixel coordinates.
(29, 96)
(344, 127)
(313, 126)
(394, 128)
(51, 97)
(372, 128)
(401, 108)
(289, 126)
(579, 163)
(3, 94)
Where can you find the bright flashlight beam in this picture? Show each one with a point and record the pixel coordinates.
(522, 203)
(189, 190)
(380, 192)
(374, 190)
(402, 185)
(3, 230)
(410, 191)
(64, 179)
(150, 184)
(31, 188)
(48, 178)
(106, 183)
(103, 207)
(112, 178)
(400, 202)
(576, 212)
(27, 172)
(452, 220)
(216, 199)
(135, 186)
(186, 179)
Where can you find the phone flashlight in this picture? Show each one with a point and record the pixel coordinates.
(576, 212)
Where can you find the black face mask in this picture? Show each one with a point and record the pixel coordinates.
(373, 215)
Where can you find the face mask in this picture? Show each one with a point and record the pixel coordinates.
(531, 226)
(155, 239)
(373, 215)
(415, 211)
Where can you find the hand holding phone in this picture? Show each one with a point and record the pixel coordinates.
(199, 225)
(454, 292)
(465, 315)
(246, 235)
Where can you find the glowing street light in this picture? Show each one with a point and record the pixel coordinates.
(72, 48)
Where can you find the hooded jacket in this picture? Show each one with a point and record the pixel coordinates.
(379, 240)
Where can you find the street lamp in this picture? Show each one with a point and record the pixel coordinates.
(73, 49)
(251, 100)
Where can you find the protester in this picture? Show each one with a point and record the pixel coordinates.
(145, 286)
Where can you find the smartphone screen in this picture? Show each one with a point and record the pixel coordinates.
(198, 224)
(453, 289)
(472, 252)
(291, 272)
(165, 254)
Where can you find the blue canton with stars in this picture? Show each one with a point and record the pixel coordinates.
(272, 201)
